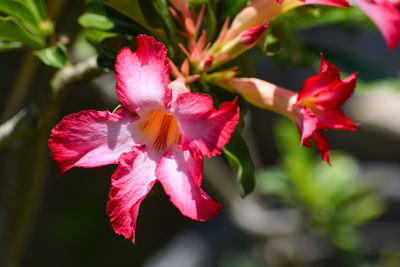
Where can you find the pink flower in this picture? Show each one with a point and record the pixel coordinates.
(338, 3)
(386, 16)
(259, 11)
(384, 13)
(165, 141)
(317, 106)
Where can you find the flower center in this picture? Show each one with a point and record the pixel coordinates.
(161, 130)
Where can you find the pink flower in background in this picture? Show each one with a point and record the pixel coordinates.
(259, 11)
(384, 13)
(317, 106)
(165, 141)
(386, 16)
(338, 3)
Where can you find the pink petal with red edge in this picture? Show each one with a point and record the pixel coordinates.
(180, 175)
(338, 95)
(177, 88)
(329, 75)
(322, 144)
(307, 125)
(335, 119)
(338, 3)
(204, 130)
(386, 16)
(143, 75)
(91, 139)
(131, 182)
(250, 37)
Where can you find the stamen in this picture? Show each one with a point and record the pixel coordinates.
(161, 130)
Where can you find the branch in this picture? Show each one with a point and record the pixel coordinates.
(31, 117)
(70, 75)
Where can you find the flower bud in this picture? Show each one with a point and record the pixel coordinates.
(239, 44)
(258, 12)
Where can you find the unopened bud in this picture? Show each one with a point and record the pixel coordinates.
(259, 11)
(241, 43)
(46, 27)
(207, 64)
(252, 36)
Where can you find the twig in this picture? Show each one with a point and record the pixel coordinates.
(25, 76)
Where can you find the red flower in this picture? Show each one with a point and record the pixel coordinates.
(317, 106)
(165, 141)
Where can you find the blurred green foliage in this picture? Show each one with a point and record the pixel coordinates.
(334, 198)
(26, 24)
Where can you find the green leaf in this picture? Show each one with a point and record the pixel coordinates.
(12, 30)
(111, 46)
(5, 45)
(133, 10)
(162, 8)
(39, 5)
(211, 21)
(21, 12)
(55, 56)
(129, 8)
(229, 8)
(36, 8)
(238, 156)
(102, 17)
(95, 37)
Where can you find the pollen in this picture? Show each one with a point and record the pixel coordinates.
(160, 130)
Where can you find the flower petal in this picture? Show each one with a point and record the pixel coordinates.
(143, 75)
(131, 182)
(177, 88)
(322, 145)
(180, 175)
(329, 75)
(386, 16)
(339, 94)
(204, 130)
(335, 119)
(338, 3)
(91, 138)
(307, 124)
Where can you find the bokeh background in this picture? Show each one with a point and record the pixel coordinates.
(303, 212)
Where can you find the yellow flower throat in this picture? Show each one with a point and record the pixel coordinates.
(161, 130)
